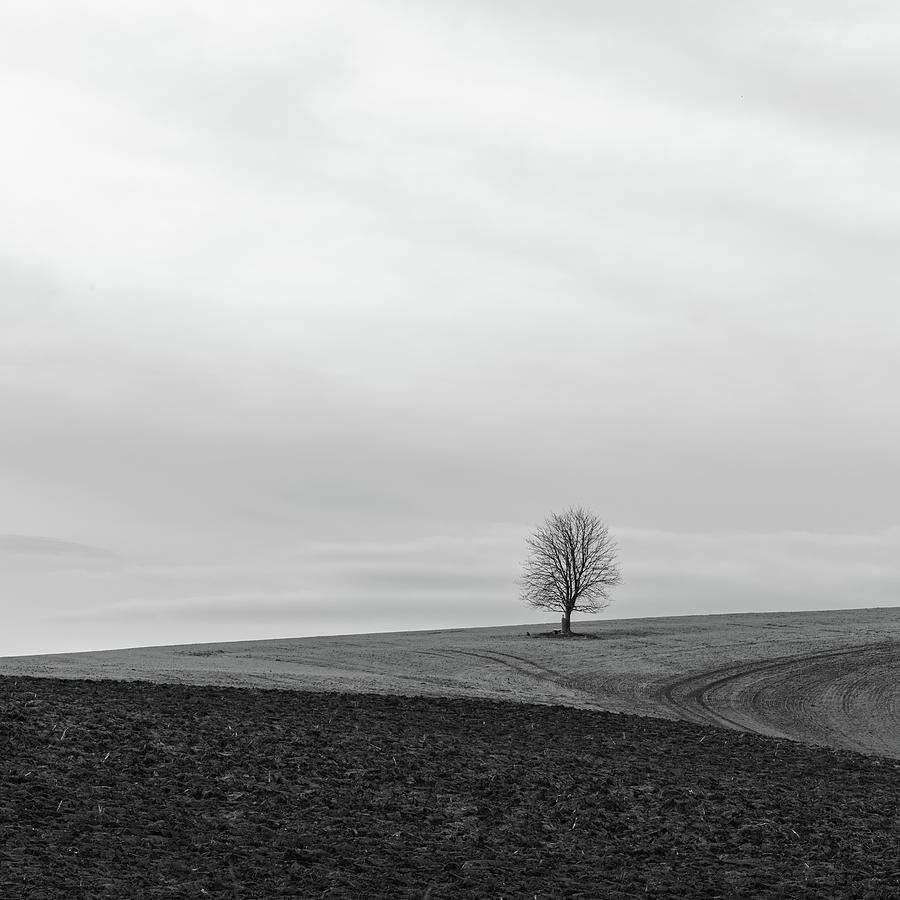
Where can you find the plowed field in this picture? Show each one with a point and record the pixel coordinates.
(129, 789)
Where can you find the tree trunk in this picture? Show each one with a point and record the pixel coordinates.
(566, 622)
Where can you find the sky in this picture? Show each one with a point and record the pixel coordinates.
(310, 313)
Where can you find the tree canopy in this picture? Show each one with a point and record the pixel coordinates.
(571, 565)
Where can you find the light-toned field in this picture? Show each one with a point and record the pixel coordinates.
(825, 677)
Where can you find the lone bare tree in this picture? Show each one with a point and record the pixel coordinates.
(571, 565)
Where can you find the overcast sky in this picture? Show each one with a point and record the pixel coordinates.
(309, 312)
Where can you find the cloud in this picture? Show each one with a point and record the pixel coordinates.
(742, 571)
(29, 293)
(425, 580)
(28, 556)
(40, 546)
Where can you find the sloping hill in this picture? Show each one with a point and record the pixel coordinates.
(821, 677)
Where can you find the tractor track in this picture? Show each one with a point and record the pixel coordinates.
(523, 667)
(847, 698)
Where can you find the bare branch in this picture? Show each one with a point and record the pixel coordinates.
(571, 564)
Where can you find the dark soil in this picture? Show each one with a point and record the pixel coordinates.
(583, 635)
(129, 789)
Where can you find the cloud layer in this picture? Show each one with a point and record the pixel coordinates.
(287, 277)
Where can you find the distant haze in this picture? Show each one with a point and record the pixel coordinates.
(309, 313)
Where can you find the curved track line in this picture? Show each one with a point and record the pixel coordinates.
(521, 666)
(847, 698)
